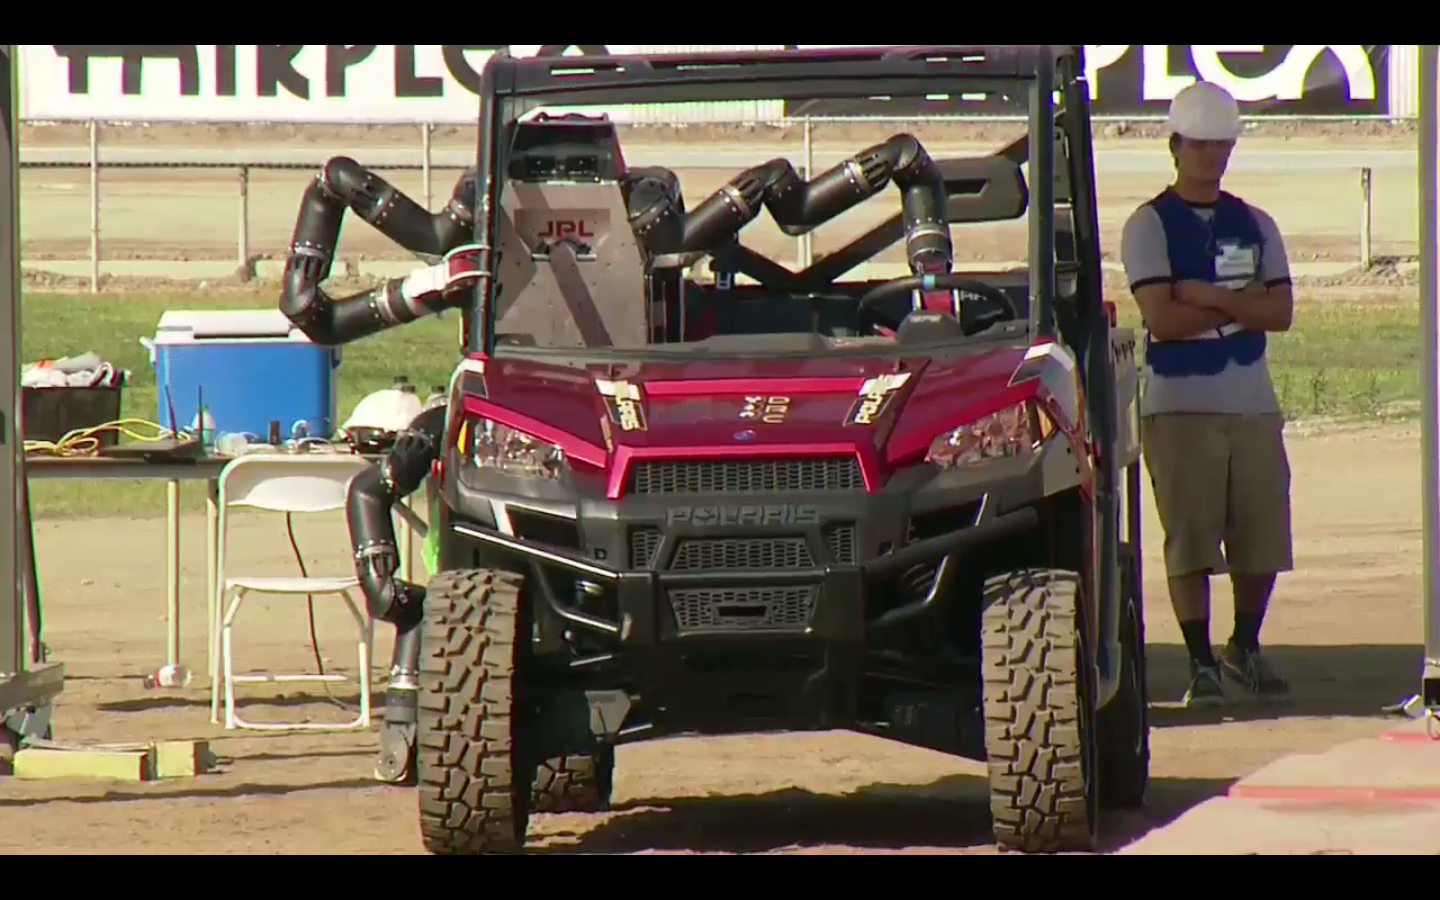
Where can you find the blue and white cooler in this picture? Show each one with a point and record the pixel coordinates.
(249, 368)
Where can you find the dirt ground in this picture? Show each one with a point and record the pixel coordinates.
(1345, 628)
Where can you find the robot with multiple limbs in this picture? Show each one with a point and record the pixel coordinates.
(661, 225)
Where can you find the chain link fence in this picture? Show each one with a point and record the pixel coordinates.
(796, 138)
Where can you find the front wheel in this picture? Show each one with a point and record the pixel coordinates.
(1039, 694)
(475, 772)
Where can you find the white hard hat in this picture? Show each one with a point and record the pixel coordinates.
(1205, 112)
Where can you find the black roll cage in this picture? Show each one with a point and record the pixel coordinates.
(511, 88)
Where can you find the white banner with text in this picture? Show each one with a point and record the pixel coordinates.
(438, 83)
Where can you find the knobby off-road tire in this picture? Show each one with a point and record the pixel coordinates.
(470, 739)
(575, 784)
(1039, 716)
(1124, 725)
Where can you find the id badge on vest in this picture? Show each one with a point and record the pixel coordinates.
(1236, 264)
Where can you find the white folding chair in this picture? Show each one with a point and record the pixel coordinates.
(286, 484)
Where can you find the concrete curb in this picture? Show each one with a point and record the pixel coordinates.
(1372, 797)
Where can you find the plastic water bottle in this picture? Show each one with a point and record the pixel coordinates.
(169, 678)
(231, 445)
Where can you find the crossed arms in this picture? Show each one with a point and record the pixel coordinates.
(1178, 310)
(1175, 311)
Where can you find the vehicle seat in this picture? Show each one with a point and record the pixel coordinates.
(925, 327)
(571, 271)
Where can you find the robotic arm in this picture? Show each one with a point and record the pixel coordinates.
(344, 184)
(799, 207)
(390, 599)
(372, 495)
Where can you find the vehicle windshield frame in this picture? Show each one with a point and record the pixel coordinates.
(512, 88)
(1009, 334)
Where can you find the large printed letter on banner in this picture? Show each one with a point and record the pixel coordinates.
(1288, 81)
(1267, 79)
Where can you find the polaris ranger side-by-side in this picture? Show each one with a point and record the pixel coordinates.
(756, 500)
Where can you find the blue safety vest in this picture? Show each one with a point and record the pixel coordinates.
(1228, 248)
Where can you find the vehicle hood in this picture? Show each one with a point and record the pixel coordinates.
(741, 407)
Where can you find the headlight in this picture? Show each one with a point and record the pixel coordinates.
(1010, 433)
(488, 445)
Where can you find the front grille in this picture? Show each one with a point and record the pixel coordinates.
(644, 544)
(743, 609)
(748, 476)
(841, 539)
(743, 553)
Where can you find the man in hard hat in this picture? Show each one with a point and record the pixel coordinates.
(1210, 275)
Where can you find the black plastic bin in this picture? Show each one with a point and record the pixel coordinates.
(51, 413)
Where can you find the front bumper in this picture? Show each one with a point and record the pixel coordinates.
(725, 650)
(801, 673)
(836, 613)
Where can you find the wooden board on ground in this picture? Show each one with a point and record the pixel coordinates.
(48, 761)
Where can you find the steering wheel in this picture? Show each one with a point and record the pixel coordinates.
(973, 293)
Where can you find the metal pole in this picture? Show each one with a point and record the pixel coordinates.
(807, 240)
(244, 247)
(94, 207)
(426, 161)
(25, 687)
(1367, 196)
(172, 573)
(1430, 319)
(1042, 196)
(12, 624)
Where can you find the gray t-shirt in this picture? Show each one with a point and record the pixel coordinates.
(1239, 390)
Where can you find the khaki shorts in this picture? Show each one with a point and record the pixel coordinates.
(1221, 480)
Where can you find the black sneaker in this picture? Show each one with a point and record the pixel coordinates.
(1253, 672)
(1206, 690)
